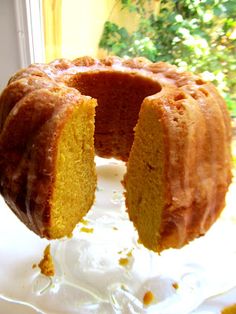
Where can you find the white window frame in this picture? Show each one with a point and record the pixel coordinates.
(30, 35)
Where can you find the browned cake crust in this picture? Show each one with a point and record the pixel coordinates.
(28, 154)
(196, 173)
(193, 117)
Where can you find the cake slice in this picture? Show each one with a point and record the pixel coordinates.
(47, 169)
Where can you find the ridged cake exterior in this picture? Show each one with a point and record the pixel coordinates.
(179, 160)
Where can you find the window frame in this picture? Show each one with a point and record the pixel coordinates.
(30, 32)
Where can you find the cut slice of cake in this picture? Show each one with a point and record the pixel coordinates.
(50, 170)
(70, 176)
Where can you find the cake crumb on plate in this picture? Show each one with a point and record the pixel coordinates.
(46, 265)
(148, 298)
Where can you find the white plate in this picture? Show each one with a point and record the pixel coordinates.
(90, 273)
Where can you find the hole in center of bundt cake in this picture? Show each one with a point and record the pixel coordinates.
(119, 95)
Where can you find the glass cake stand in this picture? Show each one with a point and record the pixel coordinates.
(103, 269)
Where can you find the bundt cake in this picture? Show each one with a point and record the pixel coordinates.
(171, 127)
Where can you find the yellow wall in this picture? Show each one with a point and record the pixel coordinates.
(82, 26)
(73, 28)
(52, 28)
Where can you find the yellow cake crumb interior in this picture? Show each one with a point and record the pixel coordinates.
(229, 309)
(144, 178)
(46, 265)
(75, 178)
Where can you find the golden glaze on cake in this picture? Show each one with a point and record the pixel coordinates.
(179, 158)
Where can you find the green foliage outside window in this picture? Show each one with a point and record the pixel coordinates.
(198, 35)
